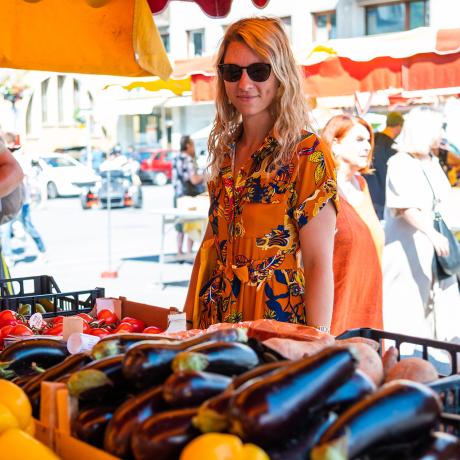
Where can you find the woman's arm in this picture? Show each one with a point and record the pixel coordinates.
(423, 223)
(317, 247)
(11, 173)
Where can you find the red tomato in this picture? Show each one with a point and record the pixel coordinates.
(99, 332)
(8, 317)
(138, 325)
(107, 317)
(5, 330)
(152, 330)
(55, 321)
(22, 330)
(55, 330)
(86, 317)
(123, 327)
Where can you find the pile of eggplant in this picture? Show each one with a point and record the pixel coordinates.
(147, 399)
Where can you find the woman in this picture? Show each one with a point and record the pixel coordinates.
(272, 190)
(415, 302)
(359, 238)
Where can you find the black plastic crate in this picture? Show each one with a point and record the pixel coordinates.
(45, 291)
(448, 387)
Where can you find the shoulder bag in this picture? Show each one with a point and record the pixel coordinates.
(444, 266)
(10, 205)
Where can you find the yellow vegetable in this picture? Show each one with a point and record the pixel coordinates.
(219, 446)
(7, 419)
(18, 445)
(16, 401)
(30, 428)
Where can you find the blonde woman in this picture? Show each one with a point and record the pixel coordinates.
(272, 190)
(414, 301)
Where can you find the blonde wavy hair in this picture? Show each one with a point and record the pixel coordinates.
(267, 38)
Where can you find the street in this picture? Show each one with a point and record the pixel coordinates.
(78, 249)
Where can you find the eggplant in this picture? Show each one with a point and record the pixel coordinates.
(24, 380)
(19, 357)
(401, 410)
(353, 390)
(127, 419)
(259, 371)
(439, 446)
(190, 388)
(217, 357)
(100, 380)
(298, 448)
(272, 409)
(112, 345)
(71, 363)
(90, 424)
(163, 436)
(212, 415)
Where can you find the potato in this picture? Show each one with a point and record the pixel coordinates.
(416, 369)
(369, 360)
(390, 358)
(372, 343)
(296, 349)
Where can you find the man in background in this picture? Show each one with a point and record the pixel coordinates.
(383, 150)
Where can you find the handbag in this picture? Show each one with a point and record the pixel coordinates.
(444, 266)
(193, 189)
(11, 205)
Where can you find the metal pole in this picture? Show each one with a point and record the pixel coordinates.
(109, 220)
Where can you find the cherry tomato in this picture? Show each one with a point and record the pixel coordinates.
(152, 330)
(123, 327)
(86, 317)
(107, 317)
(138, 325)
(99, 332)
(21, 330)
(55, 330)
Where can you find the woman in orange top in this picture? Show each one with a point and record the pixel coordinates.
(360, 238)
(272, 188)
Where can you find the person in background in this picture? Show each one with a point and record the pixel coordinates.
(383, 151)
(272, 191)
(25, 215)
(359, 238)
(187, 182)
(11, 176)
(415, 302)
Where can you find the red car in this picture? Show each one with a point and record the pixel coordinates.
(156, 165)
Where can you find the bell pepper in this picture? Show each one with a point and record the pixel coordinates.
(221, 446)
(18, 445)
(7, 419)
(14, 398)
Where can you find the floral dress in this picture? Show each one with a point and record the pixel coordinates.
(252, 259)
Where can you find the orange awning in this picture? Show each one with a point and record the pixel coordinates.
(109, 37)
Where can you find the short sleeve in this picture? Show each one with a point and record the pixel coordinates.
(316, 182)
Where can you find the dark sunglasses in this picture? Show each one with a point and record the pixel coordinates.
(259, 71)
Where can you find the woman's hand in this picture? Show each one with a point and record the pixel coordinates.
(440, 243)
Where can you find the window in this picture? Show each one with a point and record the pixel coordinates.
(164, 34)
(76, 95)
(195, 42)
(324, 26)
(396, 17)
(61, 80)
(287, 23)
(45, 84)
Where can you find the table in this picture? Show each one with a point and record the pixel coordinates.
(172, 216)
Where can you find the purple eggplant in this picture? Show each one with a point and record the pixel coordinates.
(259, 371)
(217, 357)
(212, 415)
(401, 410)
(439, 446)
(163, 436)
(90, 424)
(190, 388)
(274, 408)
(127, 419)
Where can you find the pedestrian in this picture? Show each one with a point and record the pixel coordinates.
(187, 182)
(10, 178)
(272, 191)
(415, 302)
(383, 151)
(359, 237)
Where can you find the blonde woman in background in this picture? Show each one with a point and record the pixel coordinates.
(272, 190)
(415, 302)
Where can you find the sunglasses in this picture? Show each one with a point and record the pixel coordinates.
(259, 72)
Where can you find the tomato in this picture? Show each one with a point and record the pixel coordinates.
(56, 320)
(55, 330)
(99, 332)
(123, 327)
(5, 331)
(86, 317)
(8, 317)
(152, 330)
(138, 325)
(107, 317)
(21, 330)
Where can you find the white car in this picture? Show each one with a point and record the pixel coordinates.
(64, 176)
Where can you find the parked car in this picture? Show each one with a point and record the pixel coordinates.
(118, 186)
(156, 165)
(64, 176)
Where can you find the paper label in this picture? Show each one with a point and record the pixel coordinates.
(36, 321)
(77, 342)
(177, 323)
(70, 325)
